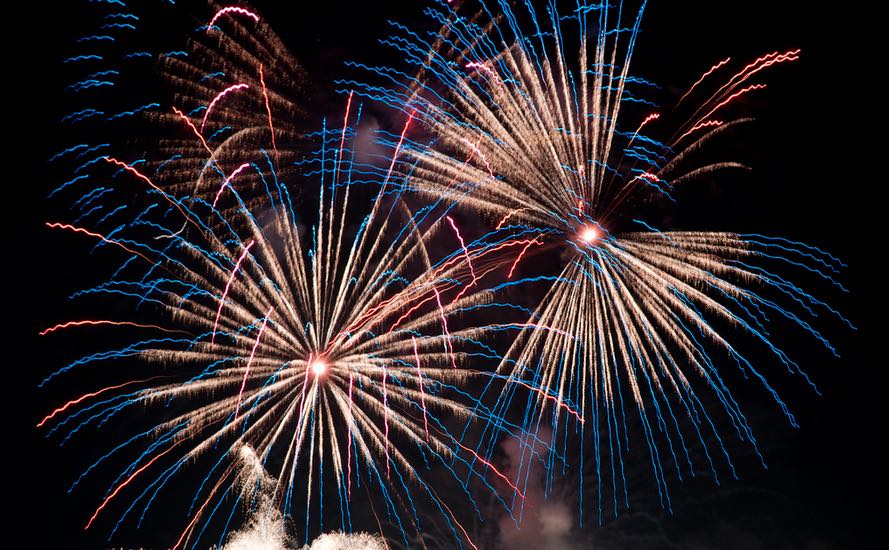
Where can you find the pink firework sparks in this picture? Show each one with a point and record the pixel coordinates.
(145, 178)
(227, 287)
(735, 95)
(216, 100)
(466, 254)
(649, 118)
(232, 10)
(265, 321)
(228, 180)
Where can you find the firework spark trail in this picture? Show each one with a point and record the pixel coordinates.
(218, 98)
(232, 10)
(268, 109)
(227, 288)
(69, 324)
(703, 76)
(627, 315)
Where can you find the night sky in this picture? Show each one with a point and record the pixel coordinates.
(819, 489)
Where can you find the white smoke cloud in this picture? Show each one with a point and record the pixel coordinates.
(343, 541)
(266, 530)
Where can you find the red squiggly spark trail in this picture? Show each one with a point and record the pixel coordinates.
(268, 110)
(193, 128)
(84, 397)
(145, 178)
(125, 483)
(70, 227)
(493, 468)
(519, 258)
(733, 96)
(649, 118)
(703, 76)
(509, 214)
(60, 326)
(696, 127)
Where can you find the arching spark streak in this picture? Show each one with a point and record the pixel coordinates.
(703, 76)
(235, 10)
(216, 100)
(60, 326)
(265, 321)
(228, 180)
(444, 326)
(227, 287)
(268, 110)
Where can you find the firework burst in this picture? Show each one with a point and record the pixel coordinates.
(324, 346)
(547, 129)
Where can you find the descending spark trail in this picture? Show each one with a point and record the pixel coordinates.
(268, 109)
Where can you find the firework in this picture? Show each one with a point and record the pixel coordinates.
(321, 343)
(547, 129)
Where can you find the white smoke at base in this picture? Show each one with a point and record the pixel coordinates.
(266, 530)
(343, 541)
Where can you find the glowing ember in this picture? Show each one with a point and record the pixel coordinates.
(589, 235)
(318, 367)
